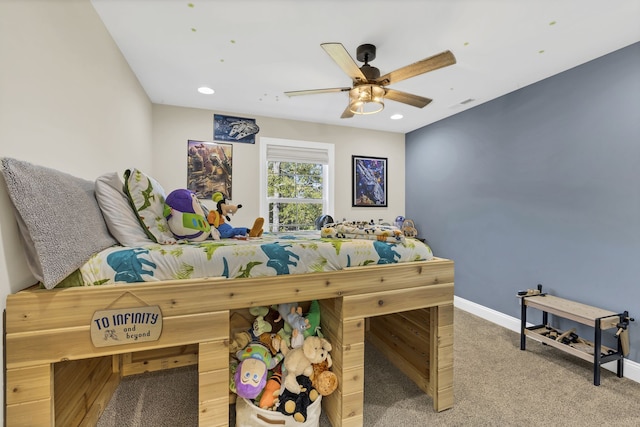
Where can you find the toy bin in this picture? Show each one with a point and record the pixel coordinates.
(250, 415)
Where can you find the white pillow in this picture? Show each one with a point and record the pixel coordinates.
(118, 213)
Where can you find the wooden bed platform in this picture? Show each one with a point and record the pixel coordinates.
(56, 376)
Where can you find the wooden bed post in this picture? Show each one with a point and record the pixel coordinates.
(213, 382)
(344, 407)
(441, 358)
(29, 395)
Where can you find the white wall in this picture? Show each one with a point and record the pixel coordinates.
(173, 126)
(69, 101)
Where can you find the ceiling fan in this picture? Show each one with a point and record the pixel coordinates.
(369, 89)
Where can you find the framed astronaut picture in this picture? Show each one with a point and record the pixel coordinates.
(369, 181)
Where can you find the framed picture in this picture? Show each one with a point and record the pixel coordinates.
(369, 181)
(235, 129)
(209, 168)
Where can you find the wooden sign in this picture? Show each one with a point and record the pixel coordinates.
(126, 326)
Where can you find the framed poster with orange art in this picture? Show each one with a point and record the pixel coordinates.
(209, 168)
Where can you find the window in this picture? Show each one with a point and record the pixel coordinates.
(296, 183)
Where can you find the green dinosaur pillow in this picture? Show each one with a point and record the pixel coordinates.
(147, 199)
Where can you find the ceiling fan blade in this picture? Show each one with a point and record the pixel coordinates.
(314, 91)
(407, 98)
(434, 62)
(347, 113)
(339, 54)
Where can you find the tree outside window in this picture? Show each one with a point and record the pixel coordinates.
(296, 183)
(294, 195)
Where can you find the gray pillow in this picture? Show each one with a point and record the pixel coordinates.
(59, 219)
(118, 213)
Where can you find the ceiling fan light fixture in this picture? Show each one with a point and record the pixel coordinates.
(366, 99)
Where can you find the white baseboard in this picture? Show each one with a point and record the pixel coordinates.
(631, 369)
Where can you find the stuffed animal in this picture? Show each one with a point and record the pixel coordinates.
(296, 404)
(272, 389)
(260, 326)
(292, 315)
(298, 361)
(285, 336)
(217, 218)
(273, 342)
(186, 216)
(270, 315)
(297, 338)
(251, 376)
(239, 341)
(313, 320)
(322, 379)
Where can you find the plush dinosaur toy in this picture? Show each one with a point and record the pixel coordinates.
(219, 219)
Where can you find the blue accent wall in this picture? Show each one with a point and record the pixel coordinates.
(541, 185)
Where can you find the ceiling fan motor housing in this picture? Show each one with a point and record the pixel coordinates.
(371, 73)
(366, 53)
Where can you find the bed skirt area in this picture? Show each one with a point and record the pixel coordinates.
(55, 375)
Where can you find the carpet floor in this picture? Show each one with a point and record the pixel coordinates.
(495, 384)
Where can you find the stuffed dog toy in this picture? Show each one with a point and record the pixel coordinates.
(217, 217)
(299, 361)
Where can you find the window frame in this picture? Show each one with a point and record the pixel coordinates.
(328, 175)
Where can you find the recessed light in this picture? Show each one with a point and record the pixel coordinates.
(206, 90)
(396, 117)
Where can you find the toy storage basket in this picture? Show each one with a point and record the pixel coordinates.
(250, 415)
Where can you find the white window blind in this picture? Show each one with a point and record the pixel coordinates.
(284, 153)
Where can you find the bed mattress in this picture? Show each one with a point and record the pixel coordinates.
(269, 255)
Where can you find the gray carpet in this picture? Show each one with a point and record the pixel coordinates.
(495, 384)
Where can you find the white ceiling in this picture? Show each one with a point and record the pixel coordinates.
(252, 51)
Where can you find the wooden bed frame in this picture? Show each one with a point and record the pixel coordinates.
(54, 374)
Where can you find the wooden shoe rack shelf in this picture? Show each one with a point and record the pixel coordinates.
(568, 341)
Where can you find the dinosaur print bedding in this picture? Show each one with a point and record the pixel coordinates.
(269, 255)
